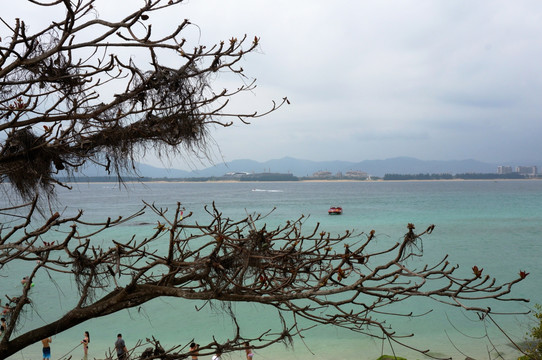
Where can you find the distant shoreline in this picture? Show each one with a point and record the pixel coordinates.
(289, 177)
(176, 181)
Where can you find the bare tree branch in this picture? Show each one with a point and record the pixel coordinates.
(344, 280)
(55, 114)
(69, 96)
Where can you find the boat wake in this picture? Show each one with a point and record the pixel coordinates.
(264, 190)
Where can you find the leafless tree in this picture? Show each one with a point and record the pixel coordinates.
(344, 280)
(55, 113)
(54, 116)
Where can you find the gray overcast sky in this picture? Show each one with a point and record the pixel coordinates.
(379, 79)
(431, 79)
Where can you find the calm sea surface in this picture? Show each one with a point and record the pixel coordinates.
(496, 225)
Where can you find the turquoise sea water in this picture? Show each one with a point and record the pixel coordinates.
(496, 225)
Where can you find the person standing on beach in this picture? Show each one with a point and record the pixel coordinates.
(248, 351)
(85, 342)
(194, 350)
(47, 348)
(7, 310)
(120, 346)
(3, 326)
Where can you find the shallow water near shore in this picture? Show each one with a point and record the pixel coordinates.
(495, 225)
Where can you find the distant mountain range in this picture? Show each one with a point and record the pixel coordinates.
(300, 168)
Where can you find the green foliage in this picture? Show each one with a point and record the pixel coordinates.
(534, 351)
(465, 176)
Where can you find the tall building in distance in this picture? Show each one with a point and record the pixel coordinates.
(504, 170)
(527, 170)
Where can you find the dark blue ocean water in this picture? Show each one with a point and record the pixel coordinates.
(496, 225)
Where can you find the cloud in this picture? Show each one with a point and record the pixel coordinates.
(433, 79)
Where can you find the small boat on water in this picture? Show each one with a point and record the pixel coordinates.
(335, 210)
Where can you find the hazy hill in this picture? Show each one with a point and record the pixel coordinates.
(285, 165)
(406, 165)
(399, 165)
(142, 169)
(297, 167)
